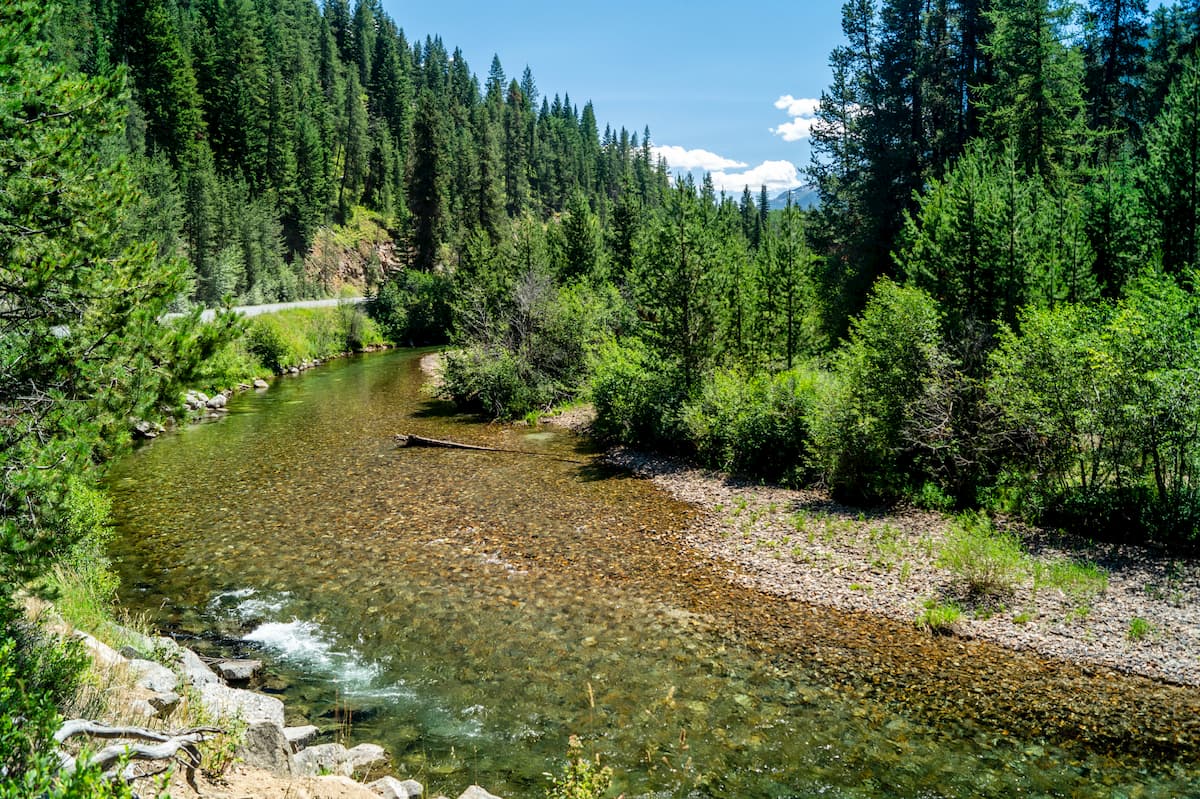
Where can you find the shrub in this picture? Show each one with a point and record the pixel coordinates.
(861, 415)
(990, 562)
(413, 308)
(1139, 629)
(582, 778)
(755, 425)
(635, 404)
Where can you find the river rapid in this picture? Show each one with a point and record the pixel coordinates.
(471, 611)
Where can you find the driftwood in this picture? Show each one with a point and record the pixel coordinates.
(179, 746)
(403, 440)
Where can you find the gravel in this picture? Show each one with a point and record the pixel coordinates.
(803, 545)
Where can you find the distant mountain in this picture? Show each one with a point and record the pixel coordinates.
(804, 197)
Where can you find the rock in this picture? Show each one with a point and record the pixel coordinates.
(217, 401)
(363, 757)
(164, 703)
(195, 671)
(342, 787)
(300, 737)
(392, 788)
(223, 701)
(153, 676)
(101, 652)
(475, 792)
(238, 670)
(266, 747)
(294, 371)
(144, 429)
(260, 384)
(320, 759)
(142, 708)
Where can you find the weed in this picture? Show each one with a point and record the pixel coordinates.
(938, 617)
(1081, 582)
(990, 562)
(1139, 629)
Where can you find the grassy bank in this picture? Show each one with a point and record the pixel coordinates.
(274, 343)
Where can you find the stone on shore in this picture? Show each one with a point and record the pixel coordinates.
(363, 757)
(224, 702)
(101, 652)
(153, 676)
(195, 670)
(260, 384)
(475, 792)
(300, 737)
(320, 759)
(216, 402)
(266, 747)
(392, 788)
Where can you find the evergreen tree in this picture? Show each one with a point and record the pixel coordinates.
(1172, 172)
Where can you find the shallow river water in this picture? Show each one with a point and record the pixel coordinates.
(472, 610)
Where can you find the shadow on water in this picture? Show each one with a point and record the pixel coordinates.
(473, 610)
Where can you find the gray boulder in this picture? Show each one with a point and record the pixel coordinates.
(300, 737)
(101, 653)
(260, 384)
(224, 702)
(363, 757)
(266, 747)
(195, 671)
(320, 759)
(164, 703)
(216, 401)
(153, 676)
(392, 788)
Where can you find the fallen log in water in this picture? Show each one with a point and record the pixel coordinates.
(403, 440)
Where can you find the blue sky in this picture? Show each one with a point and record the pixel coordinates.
(717, 82)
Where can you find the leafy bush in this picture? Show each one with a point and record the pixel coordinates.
(989, 562)
(413, 308)
(488, 382)
(754, 424)
(862, 414)
(582, 778)
(635, 404)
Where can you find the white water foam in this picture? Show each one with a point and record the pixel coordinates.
(303, 643)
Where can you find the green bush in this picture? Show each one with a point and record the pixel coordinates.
(754, 424)
(635, 404)
(489, 382)
(38, 676)
(863, 415)
(939, 617)
(990, 562)
(413, 308)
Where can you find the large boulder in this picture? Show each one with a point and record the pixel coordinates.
(300, 737)
(153, 676)
(102, 653)
(225, 702)
(266, 747)
(195, 670)
(320, 759)
(363, 758)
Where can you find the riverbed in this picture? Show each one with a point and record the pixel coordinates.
(472, 610)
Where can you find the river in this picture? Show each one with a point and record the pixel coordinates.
(472, 610)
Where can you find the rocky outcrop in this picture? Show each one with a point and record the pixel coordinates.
(265, 746)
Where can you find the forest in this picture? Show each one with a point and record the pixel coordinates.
(991, 306)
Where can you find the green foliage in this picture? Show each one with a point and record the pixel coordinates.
(989, 562)
(582, 777)
(1139, 629)
(413, 308)
(1081, 582)
(80, 347)
(938, 617)
(289, 338)
(756, 424)
(38, 676)
(635, 403)
(860, 420)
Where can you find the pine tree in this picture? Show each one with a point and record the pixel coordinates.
(1172, 172)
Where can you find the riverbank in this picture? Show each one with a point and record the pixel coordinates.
(1144, 619)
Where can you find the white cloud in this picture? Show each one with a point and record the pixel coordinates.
(688, 160)
(803, 111)
(777, 176)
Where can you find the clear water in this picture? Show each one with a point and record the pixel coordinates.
(473, 610)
